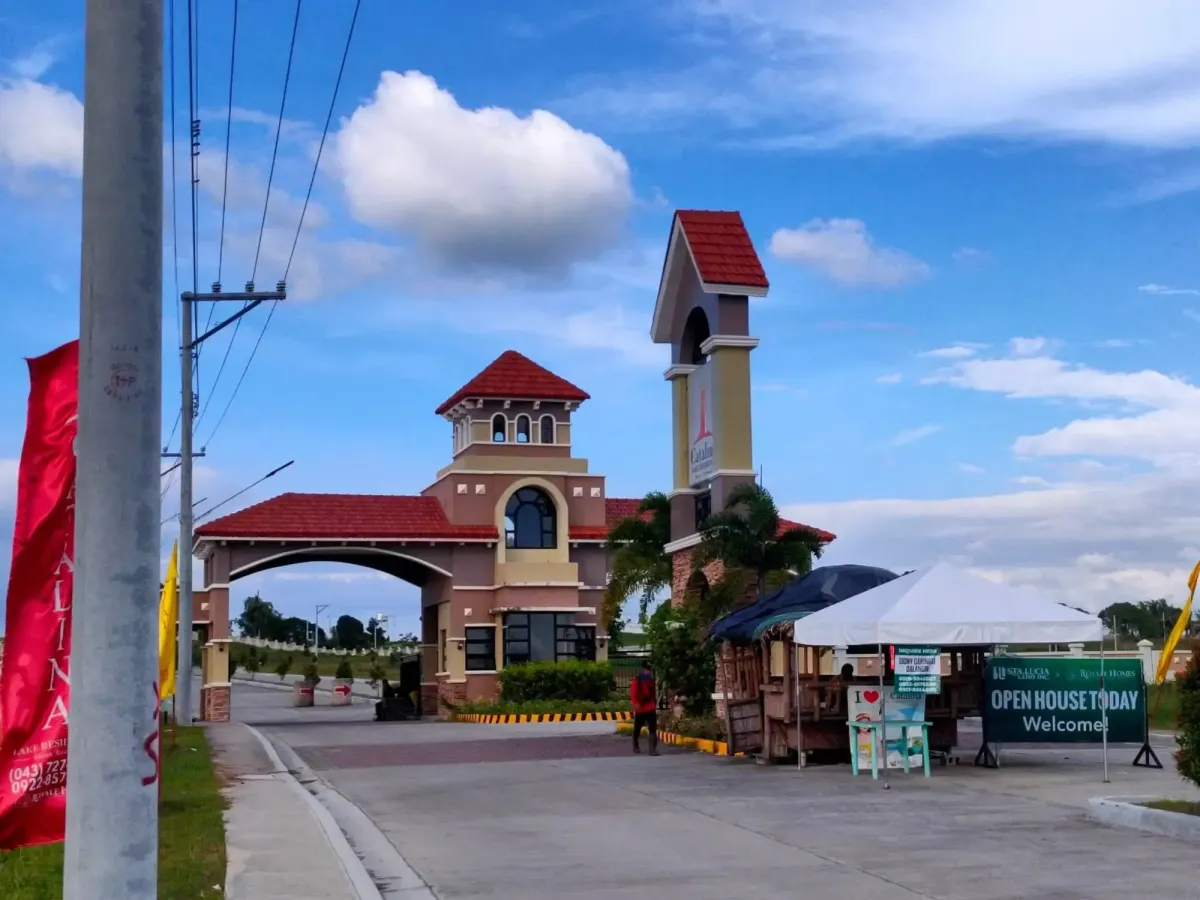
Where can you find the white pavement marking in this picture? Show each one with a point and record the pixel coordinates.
(360, 879)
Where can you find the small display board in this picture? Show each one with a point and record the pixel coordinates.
(918, 671)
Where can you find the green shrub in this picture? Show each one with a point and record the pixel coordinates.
(251, 662)
(344, 670)
(536, 707)
(1187, 757)
(684, 659)
(571, 680)
(376, 674)
(311, 676)
(707, 727)
(283, 667)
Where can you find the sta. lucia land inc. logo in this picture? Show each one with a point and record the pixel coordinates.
(702, 447)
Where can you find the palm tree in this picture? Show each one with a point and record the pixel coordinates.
(640, 565)
(749, 535)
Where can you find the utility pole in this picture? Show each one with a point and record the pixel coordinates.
(111, 842)
(250, 298)
(321, 607)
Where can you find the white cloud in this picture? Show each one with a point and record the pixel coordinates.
(1075, 70)
(911, 435)
(843, 250)
(954, 351)
(970, 468)
(890, 378)
(1164, 290)
(41, 128)
(481, 187)
(1028, 346)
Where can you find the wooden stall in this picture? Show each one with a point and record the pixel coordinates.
(769, 680)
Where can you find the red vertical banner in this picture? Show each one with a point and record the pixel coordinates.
(35, 676)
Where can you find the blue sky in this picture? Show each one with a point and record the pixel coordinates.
(980, 235)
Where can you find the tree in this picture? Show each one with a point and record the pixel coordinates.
(749, 535)
(376, 633)
(260, 619)
(640, 564)
(1150, 620)
(349, 633)
(684, 660)
(1187, 757)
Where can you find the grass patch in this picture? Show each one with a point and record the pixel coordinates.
(1188, 807)
(327, 663)
(191, 834)
(1164, 710)
(538, 707)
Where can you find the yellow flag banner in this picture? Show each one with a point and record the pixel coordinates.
(1181, 624)
(168, 611)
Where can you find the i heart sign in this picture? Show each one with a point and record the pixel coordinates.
(871, 696)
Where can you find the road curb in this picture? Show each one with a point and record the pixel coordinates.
(1126, 812)
(356, 872)
(536, 718)
(701, 745)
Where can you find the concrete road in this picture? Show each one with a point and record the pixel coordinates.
(554, 811)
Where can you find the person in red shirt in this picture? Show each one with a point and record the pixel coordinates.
(643, 694)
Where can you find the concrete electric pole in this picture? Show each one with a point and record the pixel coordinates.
(111, 845)
(250, 298)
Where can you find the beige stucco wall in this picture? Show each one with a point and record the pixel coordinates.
(731, 408)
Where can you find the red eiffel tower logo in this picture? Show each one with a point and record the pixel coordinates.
(703, 431)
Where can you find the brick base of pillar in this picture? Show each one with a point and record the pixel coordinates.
(214, 703)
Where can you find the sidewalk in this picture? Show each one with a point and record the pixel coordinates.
(277, 848)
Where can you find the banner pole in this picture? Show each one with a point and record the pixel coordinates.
(1103, 711)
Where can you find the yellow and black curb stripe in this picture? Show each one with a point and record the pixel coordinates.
(530, 718)
(701, 745)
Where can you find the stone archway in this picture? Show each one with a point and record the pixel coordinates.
(227, 560)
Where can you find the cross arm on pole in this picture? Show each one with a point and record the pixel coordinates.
(250, 298)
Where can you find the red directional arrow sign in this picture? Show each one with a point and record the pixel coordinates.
(343, 689)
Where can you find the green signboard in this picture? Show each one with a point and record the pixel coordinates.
(1030, 700)
(918, 670)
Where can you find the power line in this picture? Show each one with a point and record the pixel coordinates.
(228, 133)
(255, 484)
(193, 77)
(287, 77)
(324, 133)
(307, 196)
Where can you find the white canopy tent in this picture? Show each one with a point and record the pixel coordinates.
(946, 606)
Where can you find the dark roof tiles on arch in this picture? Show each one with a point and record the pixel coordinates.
(513, 376)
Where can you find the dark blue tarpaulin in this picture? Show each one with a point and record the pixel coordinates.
(822, 587)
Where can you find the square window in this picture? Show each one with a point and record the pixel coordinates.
(481, 649)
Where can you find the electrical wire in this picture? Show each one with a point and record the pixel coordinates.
(255, 484)
(193, 30)
(179, 309)
(287, 77)
(307, 196)
(324, 133)
(228, 133)
(212, 388)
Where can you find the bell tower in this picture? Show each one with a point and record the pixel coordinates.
(703, 312)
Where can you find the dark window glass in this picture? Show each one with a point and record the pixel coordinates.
(703, 509)
(481, 649)
(547, 426)
(499, 429)
(523, 429)
(547, 637)
(530, 522)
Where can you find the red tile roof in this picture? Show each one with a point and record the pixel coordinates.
(515, 377)
(618, 508)
(722, 248)
(346, 516)
(824, 536)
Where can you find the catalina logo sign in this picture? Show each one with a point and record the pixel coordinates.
(702, 450)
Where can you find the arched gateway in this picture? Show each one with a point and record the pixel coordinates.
(506, 544)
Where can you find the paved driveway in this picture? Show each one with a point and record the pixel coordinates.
(551, 811)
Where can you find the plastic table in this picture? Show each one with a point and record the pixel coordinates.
(874, 726)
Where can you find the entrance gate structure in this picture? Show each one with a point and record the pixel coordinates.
(507, 545)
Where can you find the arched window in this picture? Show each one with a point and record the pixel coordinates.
(530, 522)
(499, 429)
(523, 429)
(547, 429)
